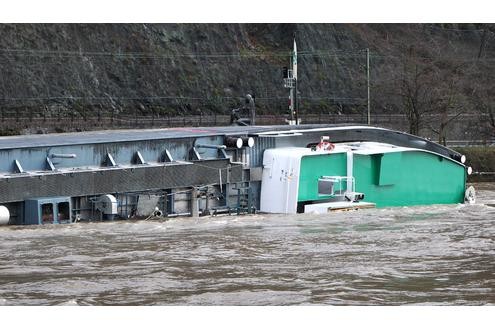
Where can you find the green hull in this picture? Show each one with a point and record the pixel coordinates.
(390, 179)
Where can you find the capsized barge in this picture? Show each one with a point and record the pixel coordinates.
(65, 178)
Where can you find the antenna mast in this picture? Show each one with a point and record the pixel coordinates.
(290, 82)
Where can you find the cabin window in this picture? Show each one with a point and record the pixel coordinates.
(47, 213)
(63, 211)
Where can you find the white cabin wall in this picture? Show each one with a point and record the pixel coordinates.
(280, 180)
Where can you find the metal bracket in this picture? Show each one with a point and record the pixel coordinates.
(166, 156)
(17, 167)
(109, 161)
(194, 155)
(138, 158)
(222, 153)
(49, 164)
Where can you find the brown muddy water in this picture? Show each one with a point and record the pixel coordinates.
(411, 255)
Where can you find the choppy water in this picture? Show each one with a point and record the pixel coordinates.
(417, 255)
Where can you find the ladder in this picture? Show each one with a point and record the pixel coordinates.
(244, 198)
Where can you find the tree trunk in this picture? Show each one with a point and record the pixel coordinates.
(414, 126)
(442, 130)
(442, 134)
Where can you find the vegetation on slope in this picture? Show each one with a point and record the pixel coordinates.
(157, 70)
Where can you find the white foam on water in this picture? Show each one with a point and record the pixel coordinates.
(442, 279)
(71, 302)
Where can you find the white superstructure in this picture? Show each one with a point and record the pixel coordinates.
(281, 171)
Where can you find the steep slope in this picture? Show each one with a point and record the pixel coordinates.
(177, 69)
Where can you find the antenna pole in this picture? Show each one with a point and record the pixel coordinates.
(291, 95)
(368, 82)
(290, 82)
(296, 105)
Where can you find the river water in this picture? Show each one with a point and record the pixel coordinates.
(418, 255)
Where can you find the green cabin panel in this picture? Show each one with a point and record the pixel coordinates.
(419, 178)
(314, 167)
(389, 163)
(390, 179)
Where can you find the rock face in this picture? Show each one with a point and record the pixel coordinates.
(186, 69)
